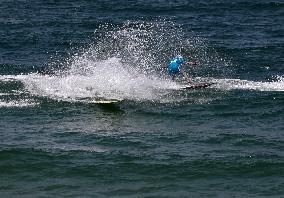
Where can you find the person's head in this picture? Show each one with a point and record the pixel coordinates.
(180, 58)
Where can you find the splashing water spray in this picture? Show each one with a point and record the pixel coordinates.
(127, 62)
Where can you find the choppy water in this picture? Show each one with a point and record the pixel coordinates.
(224, 141)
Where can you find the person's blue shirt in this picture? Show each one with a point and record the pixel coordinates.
(174, 66)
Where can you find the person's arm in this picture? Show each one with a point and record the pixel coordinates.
(191, 63)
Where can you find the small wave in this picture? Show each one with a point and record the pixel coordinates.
(13, 93)
(5, 94)
(73, 148)
(11, 78)
(18, 103)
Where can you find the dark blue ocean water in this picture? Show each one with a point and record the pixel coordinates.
(159, 141)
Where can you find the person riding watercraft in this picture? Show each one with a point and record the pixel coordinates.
(174, 67)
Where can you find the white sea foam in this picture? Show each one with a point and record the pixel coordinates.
(5, 94)
(111, 80)
(73, 148)
(18, 103)
(107, 79)
(231, 84)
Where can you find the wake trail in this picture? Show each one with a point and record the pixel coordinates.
(238, 84)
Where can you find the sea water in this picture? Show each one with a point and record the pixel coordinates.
(159, 141)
